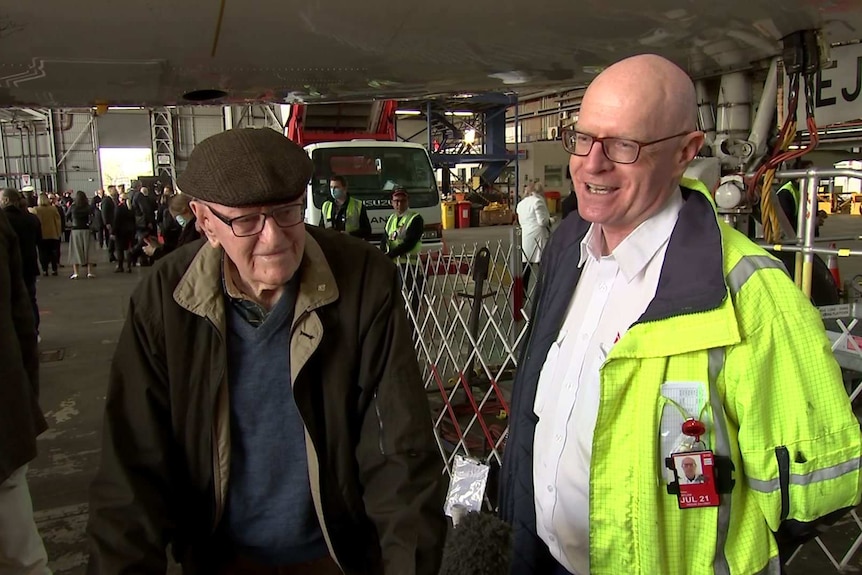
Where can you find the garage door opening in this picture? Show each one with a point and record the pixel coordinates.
(122, 165)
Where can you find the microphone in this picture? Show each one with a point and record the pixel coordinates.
(479, 544)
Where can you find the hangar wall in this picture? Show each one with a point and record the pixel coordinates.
(58, 150)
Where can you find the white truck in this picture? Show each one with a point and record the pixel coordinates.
(372, 169)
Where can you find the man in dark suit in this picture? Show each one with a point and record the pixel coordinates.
(29, 232)
(21, 420)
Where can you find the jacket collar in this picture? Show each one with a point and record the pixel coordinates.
(199, 290)
(692, 278)
(691, 282)
(640, 247)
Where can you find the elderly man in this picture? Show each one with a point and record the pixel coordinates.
(21, 420)
(265, 412)
(662, 333)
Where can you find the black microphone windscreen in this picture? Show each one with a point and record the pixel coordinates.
(481, 544)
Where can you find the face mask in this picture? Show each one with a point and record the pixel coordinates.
(181, 221)
(336, 193)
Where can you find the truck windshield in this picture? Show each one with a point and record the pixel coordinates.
(372, 173)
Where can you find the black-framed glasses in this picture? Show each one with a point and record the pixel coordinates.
(252, 224)
(617, 150)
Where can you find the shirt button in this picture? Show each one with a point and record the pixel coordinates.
(552, 538)
(558, 437)
(550, 488)
(585, 336)
(603, 288)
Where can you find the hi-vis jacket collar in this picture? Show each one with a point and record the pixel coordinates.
(692, 279)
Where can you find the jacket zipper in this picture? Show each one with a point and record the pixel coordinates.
(783, 457)
(379, 423)
(217, 479)
(326, 535)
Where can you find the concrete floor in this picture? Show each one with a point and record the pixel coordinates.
(81, 321)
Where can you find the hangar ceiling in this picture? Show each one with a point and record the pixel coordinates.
(58, 53)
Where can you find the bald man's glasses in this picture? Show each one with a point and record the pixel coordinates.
(618, 150)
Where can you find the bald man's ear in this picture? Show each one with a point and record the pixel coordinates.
(692, 143)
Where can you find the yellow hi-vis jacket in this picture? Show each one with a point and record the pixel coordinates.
(395, 227)
(792, 189)
(351, 218)
(725, 316)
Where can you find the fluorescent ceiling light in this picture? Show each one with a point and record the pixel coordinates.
(408, 112)
(463, 114)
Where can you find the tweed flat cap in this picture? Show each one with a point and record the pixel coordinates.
(246, 167)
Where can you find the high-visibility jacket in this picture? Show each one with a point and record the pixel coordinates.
(351, 219)
(792, 189)
(395, 227)
(727, 316)
(697, 185)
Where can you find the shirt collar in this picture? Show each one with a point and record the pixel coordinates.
(638, 248)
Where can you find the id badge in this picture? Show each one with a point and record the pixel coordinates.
(695, 474)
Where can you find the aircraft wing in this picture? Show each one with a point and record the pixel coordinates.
(155, 52)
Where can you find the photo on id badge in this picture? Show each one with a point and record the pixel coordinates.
(694, 475)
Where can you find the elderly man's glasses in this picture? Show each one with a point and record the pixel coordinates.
(252, 224)
(618, 150)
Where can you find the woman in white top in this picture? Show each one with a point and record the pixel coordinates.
(535, 222)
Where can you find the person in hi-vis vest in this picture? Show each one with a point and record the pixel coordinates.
(403, 242)
(344, 213)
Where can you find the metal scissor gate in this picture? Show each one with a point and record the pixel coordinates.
(467, 308)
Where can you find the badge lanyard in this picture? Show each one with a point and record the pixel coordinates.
(692, 428)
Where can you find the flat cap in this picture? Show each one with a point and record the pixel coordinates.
(246, 167)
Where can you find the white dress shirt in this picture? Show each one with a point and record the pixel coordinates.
(612, 293)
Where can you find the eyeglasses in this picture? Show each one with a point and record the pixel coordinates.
(618, 150)
(252, 224)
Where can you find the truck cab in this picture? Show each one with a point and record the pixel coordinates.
(373, 169)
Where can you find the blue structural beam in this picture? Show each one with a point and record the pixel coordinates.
(450, 160)
(495, 142)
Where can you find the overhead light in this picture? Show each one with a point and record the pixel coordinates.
(462, 114)
(408, 112)
(125, 107)
(511, 77)
(469, 136)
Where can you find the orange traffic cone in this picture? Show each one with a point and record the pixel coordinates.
(832, 264)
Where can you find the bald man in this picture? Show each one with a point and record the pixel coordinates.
(652, 312)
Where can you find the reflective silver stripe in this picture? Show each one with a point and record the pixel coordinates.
(746, 267)
(721, 447)
(772, 568)
(824, 474)
(764, 486)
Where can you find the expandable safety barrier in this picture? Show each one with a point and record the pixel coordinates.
(470, 314)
